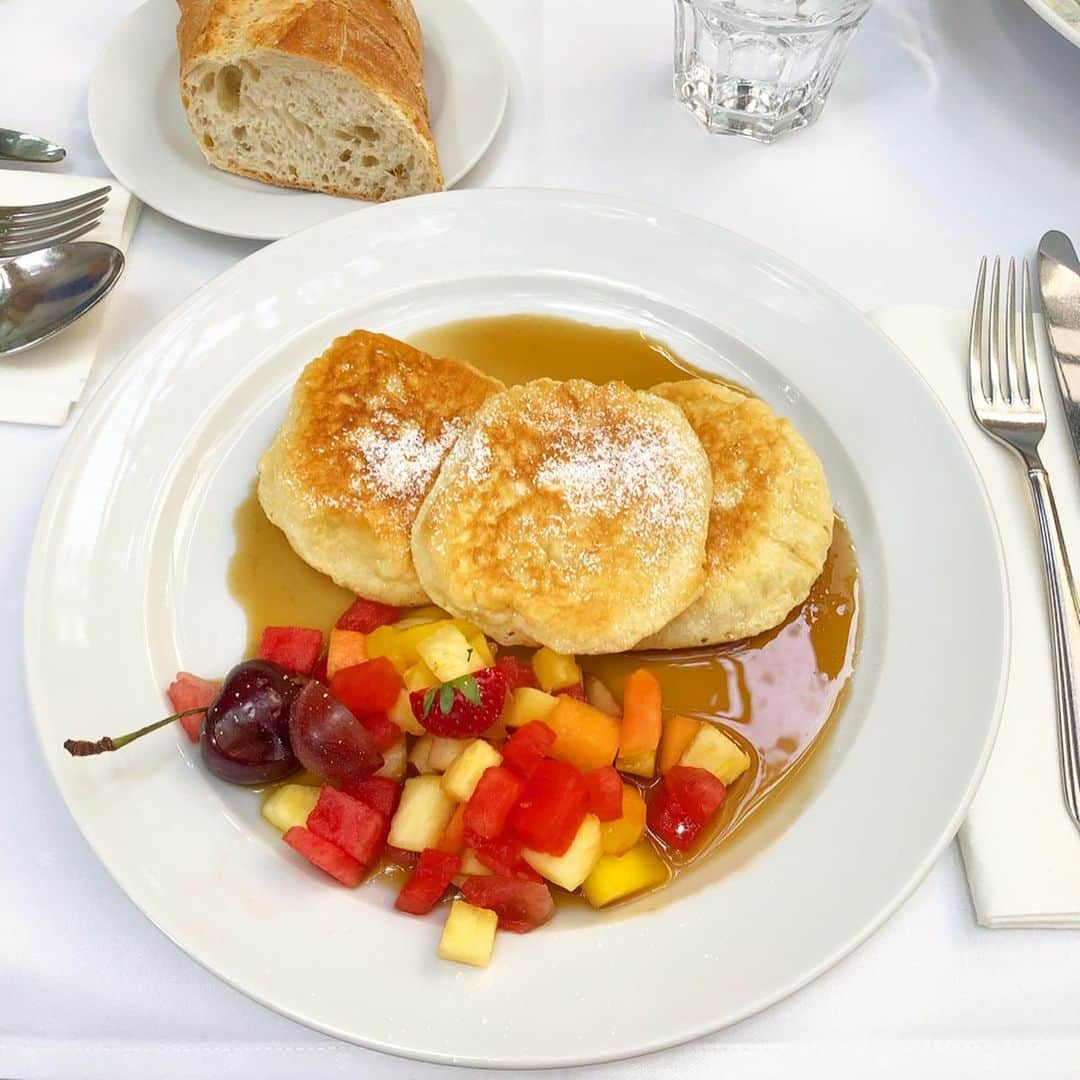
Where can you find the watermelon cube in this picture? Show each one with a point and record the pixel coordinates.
(325, 856)
(294, 648)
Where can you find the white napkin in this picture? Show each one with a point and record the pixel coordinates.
(1021, 849)
(39, 386)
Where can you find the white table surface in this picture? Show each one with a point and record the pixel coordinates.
(954, 130)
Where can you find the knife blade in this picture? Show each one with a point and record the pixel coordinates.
(1059, 285)
(18, 146)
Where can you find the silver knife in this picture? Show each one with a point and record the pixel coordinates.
(18, 146)
(1059, 284)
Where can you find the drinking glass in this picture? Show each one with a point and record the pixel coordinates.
(760, 68)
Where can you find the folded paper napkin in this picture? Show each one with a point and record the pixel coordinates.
(39, 386)
(1021, 849)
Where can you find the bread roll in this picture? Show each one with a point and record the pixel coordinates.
(326, 95)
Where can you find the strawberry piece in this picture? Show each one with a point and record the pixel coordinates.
(463, 707)
(605, 793)
(367, 615)
(429, 880)
(356, 828)
(521, 905)
(552, 807)
(292, 647)
(527, 747)
(681, 806)
(325, 856)
(577, 691)
(501, 856)
(188, 691)
(382, 729)
(518, 674)
(370, 687)
(495, 795)
(379, 792)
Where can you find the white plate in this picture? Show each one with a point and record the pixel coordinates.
(127, 584)
(1062, 15)
(142, 134)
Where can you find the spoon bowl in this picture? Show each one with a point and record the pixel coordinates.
(45, 291)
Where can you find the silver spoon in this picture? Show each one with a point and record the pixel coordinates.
(47, 290)
(18, 146)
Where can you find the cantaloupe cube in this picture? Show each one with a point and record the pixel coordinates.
(402, 715)
(419, 677)
(347, 648)
(584, 737)
(448, 653)
(678, 734)
(469, 934)
(555, 671)
(395, 761)
(571, 868)
(421, 815)
(527, 704)
(615, 877)
(711, 749)
(289, 805)
(460, 779)
(624, 832)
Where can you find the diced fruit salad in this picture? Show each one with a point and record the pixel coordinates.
(492, 779)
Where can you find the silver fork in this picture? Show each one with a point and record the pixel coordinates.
(27, 228)
(1007, 402)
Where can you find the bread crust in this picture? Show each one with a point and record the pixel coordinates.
(377, 42)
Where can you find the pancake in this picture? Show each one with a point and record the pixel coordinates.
(569, 515)
(368, 427)
(771, 520)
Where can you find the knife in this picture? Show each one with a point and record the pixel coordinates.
(1059, 285)
(17, 146)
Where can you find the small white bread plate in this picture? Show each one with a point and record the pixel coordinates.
(1062, 15)
(127, 585)
(142, 134)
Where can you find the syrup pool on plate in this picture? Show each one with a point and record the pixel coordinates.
(777, 693)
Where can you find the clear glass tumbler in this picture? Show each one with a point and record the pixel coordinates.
(760, 68)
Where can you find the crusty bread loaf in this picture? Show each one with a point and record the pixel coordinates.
(326, 95)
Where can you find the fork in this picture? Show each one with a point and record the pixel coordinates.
(1006, 400)
(27, 228)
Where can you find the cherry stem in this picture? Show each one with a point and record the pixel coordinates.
(82, 748)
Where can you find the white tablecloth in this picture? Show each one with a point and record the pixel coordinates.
(953, 131)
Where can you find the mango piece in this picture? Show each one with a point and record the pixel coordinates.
(624, 832)
(289, 805)
(422, 814)
(714, 751)
(421, 616)
(527, 704)
(460, 779)
(571, 868)
(584, 736)
(386, 641)
(469, 934)
(615, 877)
(555, 671)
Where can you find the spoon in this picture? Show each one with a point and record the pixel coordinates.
(47, 290)
(18, 146)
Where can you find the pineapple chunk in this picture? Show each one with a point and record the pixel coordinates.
(402, 715)
(711, 749)
(643, 765)
(422, 814)
(448, 653)
(471, 866)
(395, 761)
(460, 779)
(526, 704)
(290, 805)
(444, 752)
(386, 641)
(571, 868)
(419, 677)
(555, 671)
(469, 934)
(482, 648)
(421, 617)
(421, 751)
(617, 876)
(600, 697)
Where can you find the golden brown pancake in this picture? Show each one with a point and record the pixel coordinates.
(569, 515)
(771, 520)
(368, 427)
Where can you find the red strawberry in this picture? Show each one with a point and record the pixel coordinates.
(463, 707)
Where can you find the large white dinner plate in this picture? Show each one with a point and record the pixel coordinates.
(1062, 15)
(142, 134)
(127, 584)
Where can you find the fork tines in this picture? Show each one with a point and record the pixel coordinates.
(27, 228)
